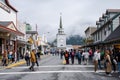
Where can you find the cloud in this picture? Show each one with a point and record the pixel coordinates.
(77, 15)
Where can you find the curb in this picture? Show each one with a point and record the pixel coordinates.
(15, 64)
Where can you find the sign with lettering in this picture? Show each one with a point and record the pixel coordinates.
(5, 7)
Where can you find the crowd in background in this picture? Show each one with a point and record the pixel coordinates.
(108, 60)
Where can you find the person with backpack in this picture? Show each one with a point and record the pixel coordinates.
(27, 58)
(66, 57)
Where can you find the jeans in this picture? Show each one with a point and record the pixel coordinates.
(32, 66)
(79, 60)
(119, 67)
(99, 64)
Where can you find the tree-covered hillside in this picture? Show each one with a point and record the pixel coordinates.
(75, 40)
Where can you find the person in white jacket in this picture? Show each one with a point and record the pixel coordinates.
(96, 57)
(86, 56)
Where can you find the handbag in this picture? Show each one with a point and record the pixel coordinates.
(64, 62)
(114, 61)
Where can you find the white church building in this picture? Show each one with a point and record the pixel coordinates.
(61, 37)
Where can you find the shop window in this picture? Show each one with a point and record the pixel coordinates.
(109, 28)
(98, 35)
(104, 32)
(119, 20)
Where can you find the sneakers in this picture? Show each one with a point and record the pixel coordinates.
(96, 72)
(119, 76)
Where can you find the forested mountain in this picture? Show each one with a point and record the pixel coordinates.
(75, 40)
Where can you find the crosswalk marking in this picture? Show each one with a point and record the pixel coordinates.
(53, 66)
(48, 72)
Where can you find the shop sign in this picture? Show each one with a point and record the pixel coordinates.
(4, 7)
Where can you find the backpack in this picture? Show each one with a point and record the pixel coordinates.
(66, 55)
(27, 55)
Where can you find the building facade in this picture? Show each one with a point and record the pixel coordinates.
(106, 25)
(89, 37)
(8, 27)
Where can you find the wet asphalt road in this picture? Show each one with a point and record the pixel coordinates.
(51, 68)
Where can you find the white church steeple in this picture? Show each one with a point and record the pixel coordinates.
(60, 30)
(61, 36)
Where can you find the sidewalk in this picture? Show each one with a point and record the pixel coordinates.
(21, 62)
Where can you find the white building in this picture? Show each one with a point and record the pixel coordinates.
(106, 25)
(21, 40)
(7, 12)
(61, 37)
(8, 27)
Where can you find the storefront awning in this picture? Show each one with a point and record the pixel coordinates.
(114, 36)
(9, 27)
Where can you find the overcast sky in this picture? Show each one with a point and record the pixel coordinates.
(77, 15)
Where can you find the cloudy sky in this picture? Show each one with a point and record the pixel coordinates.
(77, 15)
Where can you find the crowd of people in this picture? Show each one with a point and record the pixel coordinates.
(9, 57)
(108, 60)
(31, 57)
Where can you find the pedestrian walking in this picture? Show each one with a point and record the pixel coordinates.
(61, 54)
(33, 59)
(36, 56)
(113, 60)
(5, 58)
(118, 61)
(90, 54)
(95, 58)
(72, 54)
(79, 56)
(99, 59)
(66, 57)
(86, 57)
(108, 63)
(27, 58)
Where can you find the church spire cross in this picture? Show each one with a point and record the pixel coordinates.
(60, 20)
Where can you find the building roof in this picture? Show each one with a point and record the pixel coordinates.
(114, 35)
(8, 4)
(89, 28)
(4, 26)
(109, 21)
(112, 10)
(31, 32)
(6, 23)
